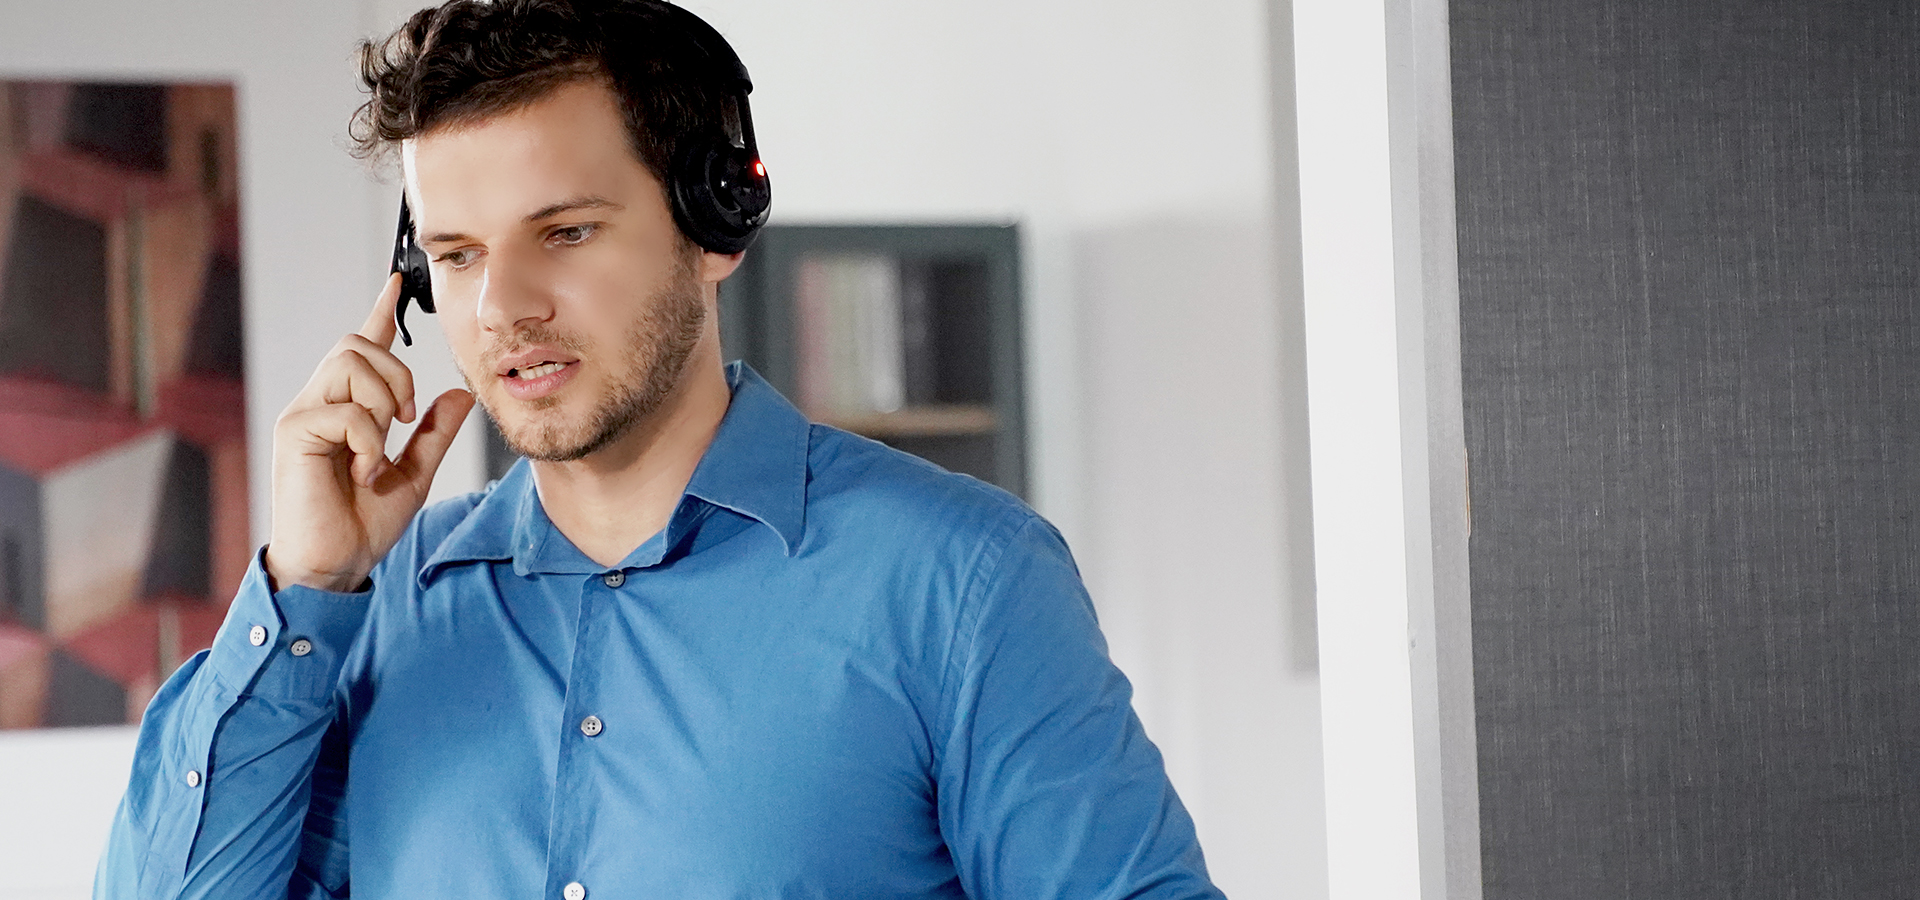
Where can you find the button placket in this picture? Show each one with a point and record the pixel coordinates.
(591, 726)
(576, 790)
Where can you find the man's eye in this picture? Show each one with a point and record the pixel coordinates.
(458, 259)
(572, 234)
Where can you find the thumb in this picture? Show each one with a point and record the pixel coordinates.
(428, 445)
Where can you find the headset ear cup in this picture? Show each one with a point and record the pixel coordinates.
(720, 196)
(419, 282)
(411, 262)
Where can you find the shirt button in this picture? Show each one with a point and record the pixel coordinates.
(590, 726)
(301, 647)
(193, 778)
(574, 891)
(257, 634)
(614, 579)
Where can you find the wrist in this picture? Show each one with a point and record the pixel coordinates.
(282, 574)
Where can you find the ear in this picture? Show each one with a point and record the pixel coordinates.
(715, 267)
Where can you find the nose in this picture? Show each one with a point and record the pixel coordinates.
(512, 294)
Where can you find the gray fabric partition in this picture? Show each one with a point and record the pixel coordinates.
(1689, 238)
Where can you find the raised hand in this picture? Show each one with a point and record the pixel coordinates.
(338, 503)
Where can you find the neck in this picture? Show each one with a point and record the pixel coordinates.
(614, 499)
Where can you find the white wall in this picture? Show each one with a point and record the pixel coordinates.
(1130, 140)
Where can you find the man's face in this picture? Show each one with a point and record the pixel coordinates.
(570, 299)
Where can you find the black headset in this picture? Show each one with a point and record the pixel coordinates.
(718, 188)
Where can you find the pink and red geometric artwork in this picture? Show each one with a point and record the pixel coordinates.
(123, 479)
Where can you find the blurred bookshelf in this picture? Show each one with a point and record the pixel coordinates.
(906, 334)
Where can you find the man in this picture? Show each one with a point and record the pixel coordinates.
(696, 647)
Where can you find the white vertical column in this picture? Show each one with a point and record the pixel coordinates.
(1381, 299)
(1353, 401)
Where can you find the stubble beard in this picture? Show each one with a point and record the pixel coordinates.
(651, 367)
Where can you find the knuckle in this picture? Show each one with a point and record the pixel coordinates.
(377, 401)
(296, 416)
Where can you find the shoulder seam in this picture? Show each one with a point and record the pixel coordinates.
(986, 493)
(983, 572)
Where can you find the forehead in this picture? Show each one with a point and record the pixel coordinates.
(571, 141)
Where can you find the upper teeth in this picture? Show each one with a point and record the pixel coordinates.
(547, 368)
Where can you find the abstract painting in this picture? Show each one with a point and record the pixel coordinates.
(123, 462)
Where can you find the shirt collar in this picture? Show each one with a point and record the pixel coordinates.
(756, 466)
(757, 463)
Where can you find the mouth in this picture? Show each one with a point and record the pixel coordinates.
(538, 370)
(536, 373)
(533, 361)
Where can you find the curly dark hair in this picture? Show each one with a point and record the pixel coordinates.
(466, 60)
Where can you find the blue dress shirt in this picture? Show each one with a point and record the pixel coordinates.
(838, 672)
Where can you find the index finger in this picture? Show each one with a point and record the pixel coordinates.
(380, 327)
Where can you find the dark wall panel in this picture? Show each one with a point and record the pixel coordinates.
(1688, 244)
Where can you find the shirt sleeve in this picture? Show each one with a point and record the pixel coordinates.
(224, 764)
(1048, 786)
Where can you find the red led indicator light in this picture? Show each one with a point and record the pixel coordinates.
(759, 168)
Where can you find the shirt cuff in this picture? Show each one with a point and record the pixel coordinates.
(287, 645)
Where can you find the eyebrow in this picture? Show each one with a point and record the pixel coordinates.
(545, 212)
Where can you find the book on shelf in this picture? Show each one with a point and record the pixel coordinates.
(852, 355)
(919, 347)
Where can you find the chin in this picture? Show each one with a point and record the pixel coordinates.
(545, 441)
(545, 434)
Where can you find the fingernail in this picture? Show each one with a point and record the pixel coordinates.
(407, 412)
